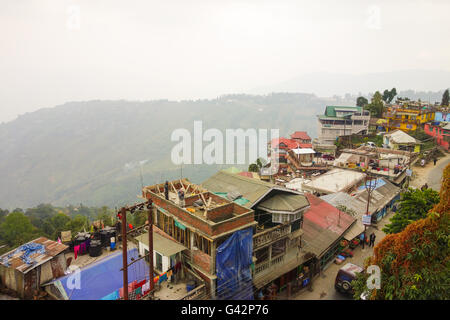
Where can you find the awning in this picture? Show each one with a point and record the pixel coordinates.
(278, 271)
(162, 245)
(355, 230)
(295, 234)
(304, 151)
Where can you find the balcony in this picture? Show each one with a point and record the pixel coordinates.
(270, 235)
(268, 264)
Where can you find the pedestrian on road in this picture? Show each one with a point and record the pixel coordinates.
(372, 240)
(363, 239)
(434, 160)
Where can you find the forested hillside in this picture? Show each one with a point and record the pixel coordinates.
(91, 152)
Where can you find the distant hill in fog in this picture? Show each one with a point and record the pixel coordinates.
(89, 152)
(426, 82)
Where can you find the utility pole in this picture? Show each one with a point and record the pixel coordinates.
(369, 189)
(150, 243)
(123, 212)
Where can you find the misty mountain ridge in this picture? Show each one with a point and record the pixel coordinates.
(429, 83)
(93, 152)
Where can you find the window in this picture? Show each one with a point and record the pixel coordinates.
(158, 262)
(262, 255)
(278, 247)
(202, 244)
(147, 258)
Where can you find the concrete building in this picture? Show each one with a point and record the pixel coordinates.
(387, 163)
(200, 223)
(341, 121)
(399, 140)
(335, 180)
(277, 236)
(408, 115)
(441, 132)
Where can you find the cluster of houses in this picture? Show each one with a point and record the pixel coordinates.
(248, 235)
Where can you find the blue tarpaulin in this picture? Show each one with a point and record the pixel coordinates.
(233, 261)
(103, 277)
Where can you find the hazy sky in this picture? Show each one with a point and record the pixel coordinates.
(54, 51)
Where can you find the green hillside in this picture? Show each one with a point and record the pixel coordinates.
(89, 152)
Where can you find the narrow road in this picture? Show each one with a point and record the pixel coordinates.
(435, 175)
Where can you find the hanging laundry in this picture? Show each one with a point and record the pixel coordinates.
(76, 249)
(83, 248)
(138, 291)
(140, 284)
(131, 287)
(163, 277)
(146, 287)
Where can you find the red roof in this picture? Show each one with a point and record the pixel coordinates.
(246, 174)
(300, 135)
(325, 216)
(291, 144)
(305, 145)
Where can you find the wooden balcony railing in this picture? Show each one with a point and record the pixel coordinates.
(268, 236)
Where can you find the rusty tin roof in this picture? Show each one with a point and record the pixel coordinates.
(13, 259)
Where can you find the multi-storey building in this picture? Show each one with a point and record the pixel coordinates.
(341, 121)
(408, 116)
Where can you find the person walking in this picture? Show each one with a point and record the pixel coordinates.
(434, 160)
(363, 239)
(372, 240)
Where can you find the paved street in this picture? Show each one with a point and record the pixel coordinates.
(323, 286)
(435, 175)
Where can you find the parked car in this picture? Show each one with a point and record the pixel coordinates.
(369, 144)
(328, 157)
(345, 276)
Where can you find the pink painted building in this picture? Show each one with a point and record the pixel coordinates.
(441, 133)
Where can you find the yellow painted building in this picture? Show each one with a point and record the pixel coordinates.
(407, 119)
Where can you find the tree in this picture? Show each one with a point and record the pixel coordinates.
(376, 106)
(445, 98)
(389, 95)
(361, 101)
(414, 263)
(77, 224)
(105, 215)
(413, 205)
(16, 229)
(3, 214)
(255, 167)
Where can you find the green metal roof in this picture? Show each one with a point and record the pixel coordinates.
(330, 111)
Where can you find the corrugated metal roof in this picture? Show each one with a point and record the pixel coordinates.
(251, 189)
(300, 135)
(358, 203)
(398, 136)
(15, 260)
(161, 244)
(323, 225)
(284, 202)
